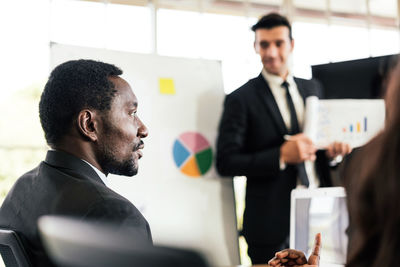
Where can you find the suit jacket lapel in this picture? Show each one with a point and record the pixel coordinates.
(269, 100)
(302, 90)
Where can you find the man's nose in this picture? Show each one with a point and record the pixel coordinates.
(272, 51)
(142, 130)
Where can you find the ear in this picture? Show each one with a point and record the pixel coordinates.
(255, 46)
(87, 124)
(292, 44)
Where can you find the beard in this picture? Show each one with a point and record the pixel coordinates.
(110, 164)
(110, 158)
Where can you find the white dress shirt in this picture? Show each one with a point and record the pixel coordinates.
(102, 176)
(279, 93)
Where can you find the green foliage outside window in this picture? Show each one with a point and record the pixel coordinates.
(22, 144)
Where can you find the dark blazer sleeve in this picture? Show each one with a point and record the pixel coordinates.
(237, 134)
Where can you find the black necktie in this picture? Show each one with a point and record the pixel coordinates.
(294, 124)
(295, 129)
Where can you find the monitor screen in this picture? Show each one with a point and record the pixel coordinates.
(358, 79)
(326, 214)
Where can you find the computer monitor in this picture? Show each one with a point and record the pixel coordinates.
(324, 211)
(358, 79)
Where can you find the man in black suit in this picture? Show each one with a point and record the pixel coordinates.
(260, 138)
(89, 117)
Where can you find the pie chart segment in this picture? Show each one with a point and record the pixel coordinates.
(180, 153)
(204, 160)
(192, 154)
(190, 167)
(194, 141)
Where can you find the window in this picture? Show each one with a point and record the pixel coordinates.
(24, 66)
(128, 28)
(384, 42)
(384, 8)
(311, 4)
(346, 43)
(78, 23)
(179, 33)
(230, 39)
(351, 7)
(311, 47)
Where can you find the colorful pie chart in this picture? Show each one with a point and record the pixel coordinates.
(192, 154)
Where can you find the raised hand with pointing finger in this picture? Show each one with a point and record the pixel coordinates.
(296, 258)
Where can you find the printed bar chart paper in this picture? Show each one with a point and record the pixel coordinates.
(353, 121)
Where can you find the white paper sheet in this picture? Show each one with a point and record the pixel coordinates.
(353, 121)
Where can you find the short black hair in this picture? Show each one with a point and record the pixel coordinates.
(272, 20)
(73, 86)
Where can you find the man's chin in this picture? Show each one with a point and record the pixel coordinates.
(125, 172)
(133, 171)
(273, 70)
(126, 169)
(131, 174)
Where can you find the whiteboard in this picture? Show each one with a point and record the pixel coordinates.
(183, 211)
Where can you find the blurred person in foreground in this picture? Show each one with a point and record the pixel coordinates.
(89, 117)
(372, 180)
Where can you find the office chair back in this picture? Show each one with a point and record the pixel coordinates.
(11, 249)
(73, 243)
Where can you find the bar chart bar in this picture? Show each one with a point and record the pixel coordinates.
(365, 124)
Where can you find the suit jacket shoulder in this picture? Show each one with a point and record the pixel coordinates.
(309, 87)
(248, 88)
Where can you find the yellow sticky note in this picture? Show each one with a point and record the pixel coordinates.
(166, 86)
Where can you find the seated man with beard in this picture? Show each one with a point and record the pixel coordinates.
(88, 114)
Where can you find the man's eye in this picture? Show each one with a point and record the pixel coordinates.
(264, 45)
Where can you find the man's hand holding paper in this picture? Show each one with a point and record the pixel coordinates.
(297, 148)
(337, 149)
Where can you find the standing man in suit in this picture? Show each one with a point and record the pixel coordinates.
(89, 117)
(260, 137)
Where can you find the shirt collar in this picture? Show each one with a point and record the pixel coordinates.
(102, 176)
(71, 164)
(276, 80)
